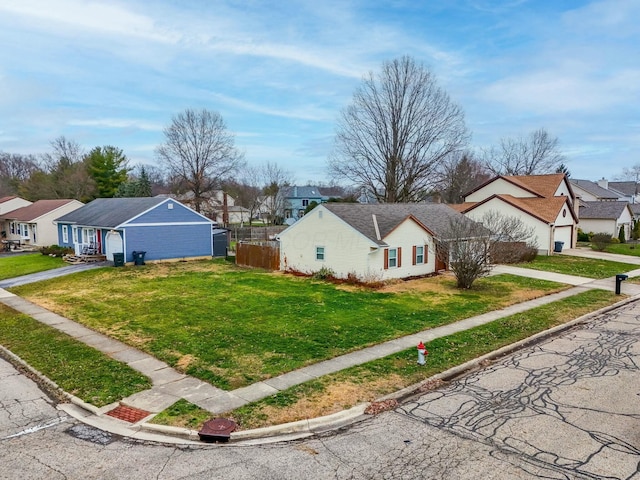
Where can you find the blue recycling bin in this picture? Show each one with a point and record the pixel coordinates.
(558, 247)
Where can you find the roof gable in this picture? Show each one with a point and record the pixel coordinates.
(37, 209)
(594, 189)
(543, 209)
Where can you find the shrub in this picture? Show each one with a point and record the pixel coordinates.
(323, 274)
(621, 236)
(600, 241)
(583, 236)
(56, 251)
(512, 252)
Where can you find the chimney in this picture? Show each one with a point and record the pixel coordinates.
(604, 183)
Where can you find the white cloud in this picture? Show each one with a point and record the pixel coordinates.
(116, 123)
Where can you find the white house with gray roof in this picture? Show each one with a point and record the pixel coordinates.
(589, 191)
(606, 217)
(373, 242)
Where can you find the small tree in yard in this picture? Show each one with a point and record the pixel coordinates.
(621, 235)
(470, 246)
(600, 241)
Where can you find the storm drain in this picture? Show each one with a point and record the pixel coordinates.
(128, 414)
(91, 434)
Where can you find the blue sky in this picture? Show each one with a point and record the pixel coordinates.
(114, 72)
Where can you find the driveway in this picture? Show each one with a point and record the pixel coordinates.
(53, 273)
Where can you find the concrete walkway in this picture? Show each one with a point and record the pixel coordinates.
(585, 252)
(47, 274)
(170, 385)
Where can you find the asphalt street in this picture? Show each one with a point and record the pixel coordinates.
(565, 408)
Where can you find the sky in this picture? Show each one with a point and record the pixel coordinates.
(279, 72)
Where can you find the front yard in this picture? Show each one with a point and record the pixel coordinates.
(233, 327)
(23, 264)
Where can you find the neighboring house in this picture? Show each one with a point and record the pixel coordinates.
(373, 242)
(545, 203)
(8, 204)
(628, 191)
(589, 191)
(606, 217)
(295, 200)
(163, 228)
(34, 224)
(238, 214)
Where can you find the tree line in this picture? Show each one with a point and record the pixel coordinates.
(400, 139)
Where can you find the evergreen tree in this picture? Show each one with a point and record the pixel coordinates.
(107, 167)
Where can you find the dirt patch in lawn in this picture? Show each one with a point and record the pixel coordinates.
(335, 398)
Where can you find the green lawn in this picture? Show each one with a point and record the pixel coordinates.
(15, 266)
(372, 380)
(624, 249)
(77, 368)
(233, 327)
(582, 267)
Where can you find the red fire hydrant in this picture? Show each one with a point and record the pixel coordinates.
(422, 353)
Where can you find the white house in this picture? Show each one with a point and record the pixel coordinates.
(589, 191)
(545, 203)
(373, 242)
(606, 217)
(8, 204)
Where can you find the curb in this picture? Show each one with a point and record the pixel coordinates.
(301, 428)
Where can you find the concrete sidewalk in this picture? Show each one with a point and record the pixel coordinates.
(53, 273)
(169, 385)
(590, 253)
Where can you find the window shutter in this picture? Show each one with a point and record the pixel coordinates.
(424, 251)
(414, 254)
(399, 257)
(386, 259)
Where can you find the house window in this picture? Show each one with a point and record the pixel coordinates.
(305, 202)
(74, 231)
(418, 255)
(23, 229)
(287, 214)
(65, 234)
(392, 258)
(300, 213)
(320, 253)
(12, 228)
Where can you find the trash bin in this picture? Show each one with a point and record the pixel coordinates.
(118, 259)
(558, 247)
(138, 258)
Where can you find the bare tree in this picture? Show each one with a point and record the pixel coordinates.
(630, 174)
(538, 153)
(274, 201)
(470, 248)
(15, 170)
(459, 173)
(199, 150)
(399, 125)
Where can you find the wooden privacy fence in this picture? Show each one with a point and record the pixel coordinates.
(259, 254)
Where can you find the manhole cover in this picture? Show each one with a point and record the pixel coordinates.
(91, 434)
(217, 430)
(128, 414)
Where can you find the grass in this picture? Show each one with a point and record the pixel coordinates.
(582, 267)
(19, 265)
(183, 414)
(233, 327)
(624, 249)
(372, 380)
(77, 368)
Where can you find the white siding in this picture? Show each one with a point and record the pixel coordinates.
(599, 226)
(498, 187)
(542, 230)
(406, 236)
(345, 249)
(348, 251)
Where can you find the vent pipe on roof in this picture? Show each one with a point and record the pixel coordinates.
(375, 225)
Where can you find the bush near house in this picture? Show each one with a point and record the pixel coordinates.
(56, 251)
(600, 241)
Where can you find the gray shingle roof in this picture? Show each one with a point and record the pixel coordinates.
(435, 216)
(110, 212)
(602, 210)
(628, 188)
(594, 189)
(302, 192)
